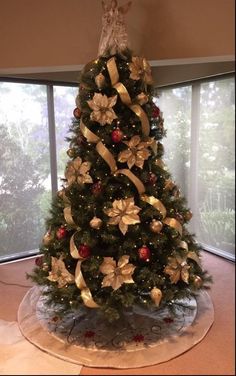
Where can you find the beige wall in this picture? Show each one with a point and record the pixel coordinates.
(44, 33)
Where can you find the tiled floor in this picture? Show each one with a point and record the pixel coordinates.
(214, 355)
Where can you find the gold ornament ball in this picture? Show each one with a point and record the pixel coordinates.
(47, 238)
(197, 282)
(95, 223)
(45, 267)
(70, 153)
(100, 80)
(188, 215)
(142, 98)
(156, 226)
(156, 295)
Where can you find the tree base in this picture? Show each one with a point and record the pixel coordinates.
(138, 339)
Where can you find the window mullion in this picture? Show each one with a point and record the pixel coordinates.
(194, 155)
(52, 138)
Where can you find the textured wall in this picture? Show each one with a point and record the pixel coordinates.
(66, 32)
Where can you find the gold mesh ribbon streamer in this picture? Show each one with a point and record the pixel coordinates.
(79, 279)
(172, 222)
(136, 181)
(156, 203)
(125, 97)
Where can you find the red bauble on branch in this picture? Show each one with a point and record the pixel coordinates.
(39, 261)
(152, 178)
(77, 113)
(61, 233)
(156, 112)
(97, 188)
(84, 251)
(144, 253)
(117, 135)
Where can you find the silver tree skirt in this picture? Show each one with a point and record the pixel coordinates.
(140, 339)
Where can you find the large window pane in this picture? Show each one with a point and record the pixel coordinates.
(216, 190)
(64, 104)
(25, 183)
(176, 107)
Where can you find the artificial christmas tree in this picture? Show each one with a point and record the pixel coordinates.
(118, 227)
(117, 236)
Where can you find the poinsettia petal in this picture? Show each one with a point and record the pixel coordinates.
(124, 260)
(114, 220)
(131, 161)
(117, 282)
(123, 227)
(124, 155)
(108, 267)
(112, 101)
(84, 168)
(135, 140)
(107, 280)
(130, 219)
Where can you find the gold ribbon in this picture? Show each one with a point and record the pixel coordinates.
(79, 279)
(90, 136)
(143, 118)
(136, 181)
(68, 216)
(100, 147)
(106, 155)
(125, 97)
(157, 204)
(172, 222)
(192, 255)
(183, 245)
(160, 163)
(85, 291)
(123, 93)
(169, 184)
(112, 70)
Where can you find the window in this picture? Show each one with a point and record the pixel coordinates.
(199, 152)
(26, 160)
(199, 119)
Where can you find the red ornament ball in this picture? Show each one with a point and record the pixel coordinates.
(97, 188)
(179, 218)
(144, 253)
(84, 251)
(61, 233)
(77, 113)
(156, 112)
(152, 178)
(117, 135)
(39, 261)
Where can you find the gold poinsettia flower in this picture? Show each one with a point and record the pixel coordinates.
(136, 153)
(177, 269)
(78, 171)
(116, 273)
(102, 105)
(140, 69)
(123, 213)
(59, 273)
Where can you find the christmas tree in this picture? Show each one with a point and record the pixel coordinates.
(117, 234)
